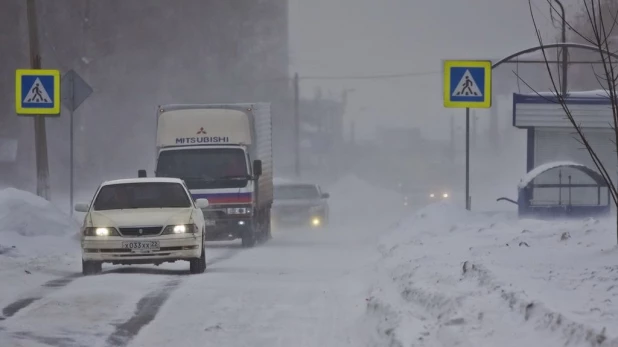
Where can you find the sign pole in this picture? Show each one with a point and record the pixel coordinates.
(72, 168)
(467, 84)
(467, 158)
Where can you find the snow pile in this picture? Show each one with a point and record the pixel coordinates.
(29, 215)
(454, 277)
(543, 168)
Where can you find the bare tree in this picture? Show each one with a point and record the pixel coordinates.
(597, 22)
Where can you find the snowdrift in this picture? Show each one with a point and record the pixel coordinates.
(454, 277)
(29, 215)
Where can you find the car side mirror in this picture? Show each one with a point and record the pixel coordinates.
(81, 207)
(257, 168)
(142, 173)
(202, 203)
(325, 195)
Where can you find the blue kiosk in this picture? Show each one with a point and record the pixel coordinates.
(562, 180)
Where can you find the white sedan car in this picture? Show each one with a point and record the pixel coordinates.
(143, 221)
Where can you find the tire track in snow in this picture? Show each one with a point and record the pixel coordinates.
(56, 284)
(149, 305)
(48, 287)
(147, 309)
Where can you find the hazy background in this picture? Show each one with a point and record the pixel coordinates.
(138, 54)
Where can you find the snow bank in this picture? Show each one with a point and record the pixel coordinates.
(456, 277)
(29, 215)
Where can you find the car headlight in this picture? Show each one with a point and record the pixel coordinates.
(316, 221)
(238, 210)
(98, 231)
(180, 229)
(445, 195)
(432, 195)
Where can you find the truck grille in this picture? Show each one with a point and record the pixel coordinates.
(143, 231)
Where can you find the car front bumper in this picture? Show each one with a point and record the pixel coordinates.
(171, 248)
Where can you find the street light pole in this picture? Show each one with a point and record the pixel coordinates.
(296, 126)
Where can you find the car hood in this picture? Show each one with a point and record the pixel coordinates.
(297, 203)
(141, 217)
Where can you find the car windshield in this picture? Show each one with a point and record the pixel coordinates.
(141, 195)
(205, 168)
(296, 192)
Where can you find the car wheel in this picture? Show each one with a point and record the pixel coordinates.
(91, 267)
(198, 265)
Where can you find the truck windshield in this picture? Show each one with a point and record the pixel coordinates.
(205, 168)
(141, 195)
(296, 192)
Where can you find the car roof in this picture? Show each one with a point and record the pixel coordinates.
(144, 180)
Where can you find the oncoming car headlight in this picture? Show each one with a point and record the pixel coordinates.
(445, 195)
(180, 229)
(92, 231)
(238, 210)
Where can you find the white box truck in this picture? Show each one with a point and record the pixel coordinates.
(224, 154)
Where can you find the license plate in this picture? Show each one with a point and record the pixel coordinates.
(141, 246)
(210, 222)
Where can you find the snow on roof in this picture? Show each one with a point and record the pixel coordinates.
(542, 168)
(144, 180)
(598, 93)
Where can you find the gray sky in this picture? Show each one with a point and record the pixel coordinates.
(358, 37)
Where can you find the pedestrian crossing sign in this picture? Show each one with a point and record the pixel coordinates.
(467, 84)
(37, 92)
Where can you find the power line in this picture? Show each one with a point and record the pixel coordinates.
(371, 77)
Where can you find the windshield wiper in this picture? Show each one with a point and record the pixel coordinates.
(235, 177)
(202, 178)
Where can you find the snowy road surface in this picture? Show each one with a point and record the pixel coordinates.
(287, 292)
(303, 288)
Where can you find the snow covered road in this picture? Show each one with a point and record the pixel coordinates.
(306, 287)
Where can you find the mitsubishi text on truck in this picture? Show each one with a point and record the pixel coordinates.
(224, 154)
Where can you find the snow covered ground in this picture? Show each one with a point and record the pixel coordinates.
(449, 277)
(377, 276)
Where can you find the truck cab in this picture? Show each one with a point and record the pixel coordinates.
(220, 151)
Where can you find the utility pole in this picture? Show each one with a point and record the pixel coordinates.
(296, 126)
(40, 136)
(563, 86)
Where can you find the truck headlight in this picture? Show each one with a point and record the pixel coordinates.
(99, 231)
(180, 229)
(238, 210)
(315, 221)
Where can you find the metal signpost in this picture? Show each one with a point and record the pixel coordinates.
(74, 91)
(467, 84)
(37, 93)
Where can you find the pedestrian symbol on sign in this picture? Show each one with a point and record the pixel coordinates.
(467, 86)
(37, 94)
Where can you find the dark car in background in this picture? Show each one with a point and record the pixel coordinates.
(300, 204)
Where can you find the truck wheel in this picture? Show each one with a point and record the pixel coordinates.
(267, 233)
(248, 239)
(91, 267)
(198, 265)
